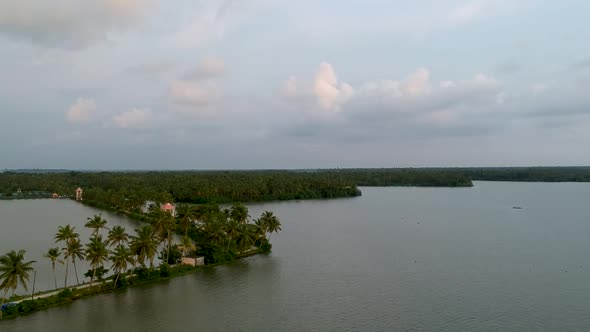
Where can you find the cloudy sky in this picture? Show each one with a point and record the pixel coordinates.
(189, 84)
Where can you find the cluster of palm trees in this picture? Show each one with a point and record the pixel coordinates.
(230, 229)
(226, 230)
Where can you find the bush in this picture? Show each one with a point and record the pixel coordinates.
(65, 294)
(164, 270)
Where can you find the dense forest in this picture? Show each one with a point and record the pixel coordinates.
(129, 190)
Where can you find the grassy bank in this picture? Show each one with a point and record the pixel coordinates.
(140, 277)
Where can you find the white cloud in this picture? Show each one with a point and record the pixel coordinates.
(68, 23)
(330, 92)
(136, 118)
(194, 93)
(81, 111)
(418, 83)
(208, 67)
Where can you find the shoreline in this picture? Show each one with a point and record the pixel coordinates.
(24, 306)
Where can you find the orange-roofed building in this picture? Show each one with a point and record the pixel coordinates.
(168, 207)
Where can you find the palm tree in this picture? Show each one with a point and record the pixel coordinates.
(232, 230)
(76, 250)
(66, 234)
(96, 223)
(239, 213)
(14, 271)
(53, 254)
(187, 245)
(117, 236)
(246, 237)
(143, 245)
(261, 229)
(186, 216)
(273, 224)
(163, 224)
(96, 254)
(120, 257)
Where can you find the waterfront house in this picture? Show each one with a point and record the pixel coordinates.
(170, 208)
(79, 194)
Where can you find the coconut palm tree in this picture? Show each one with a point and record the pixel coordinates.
(261, 229)
(117, 236)
(96, 223)
(14, 271)
(186, 245)
(164, 225)
(66, 234)
(232, 230)
(53, 254)
(96, 254)
(76, 250)
(273, 224)
(143, 245)
(245, 237)
(239, 213)
(186, 216)
(120, 257)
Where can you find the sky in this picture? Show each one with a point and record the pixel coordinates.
(240, 84)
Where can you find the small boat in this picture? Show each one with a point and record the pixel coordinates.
(517, 207)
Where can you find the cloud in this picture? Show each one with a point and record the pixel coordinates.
(152, 68)
(582, 64)
(68, 23)
(185, 92)
(136, 118)
(467, 12)
(208, 67)
(330, 92)
(81, 111)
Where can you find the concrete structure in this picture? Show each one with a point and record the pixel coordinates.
(193, 262)
(168, 207)
(79, 194)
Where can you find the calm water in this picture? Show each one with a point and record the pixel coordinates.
(395, 259)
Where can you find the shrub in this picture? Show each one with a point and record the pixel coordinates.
(164, 270)
(65, 294)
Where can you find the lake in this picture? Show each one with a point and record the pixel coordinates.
(395, 259)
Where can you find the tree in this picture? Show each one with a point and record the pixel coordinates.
(246, 237)
(232, 230)
(272, 222)
(120, 257)
(117, 236)
(163, 224)
(76, 250)
(14, 271)
(96, 254)
(53, 254)
(261, 229)
(186, 245)
(186, 216)
(143, 245)
(96, 223)
(239, 213)
(66, 234)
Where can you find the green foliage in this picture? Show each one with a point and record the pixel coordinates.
(65, 294)
(164, 270)
(173, 256)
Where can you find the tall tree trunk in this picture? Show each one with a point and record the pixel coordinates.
(1, 305)
(54, 276)
(93, 276)
(67, 266)
(76, 271)
(116, 279)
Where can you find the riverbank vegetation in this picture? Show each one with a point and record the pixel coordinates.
(208, 231)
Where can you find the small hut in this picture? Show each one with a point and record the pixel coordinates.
(55, 195)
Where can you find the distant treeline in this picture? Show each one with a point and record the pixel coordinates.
(527, 174)
(129, 190)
